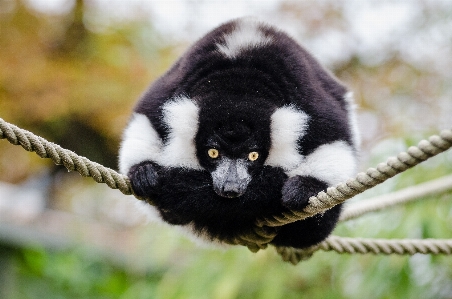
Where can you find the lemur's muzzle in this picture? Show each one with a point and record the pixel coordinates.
(231, 178)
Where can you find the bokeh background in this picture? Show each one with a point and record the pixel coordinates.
(71, 71)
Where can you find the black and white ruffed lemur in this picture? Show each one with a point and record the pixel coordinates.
(245, 124)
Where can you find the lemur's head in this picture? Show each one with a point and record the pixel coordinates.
(233, 144)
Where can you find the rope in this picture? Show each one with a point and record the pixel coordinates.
(266, 229)
(343, 191)
(402, 196)
(365, 180)
(374, 246)
(61, 156)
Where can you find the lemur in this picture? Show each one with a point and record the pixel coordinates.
(245, 124)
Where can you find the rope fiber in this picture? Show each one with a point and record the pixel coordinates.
(266, 228)
(61, 156)
(364, 246)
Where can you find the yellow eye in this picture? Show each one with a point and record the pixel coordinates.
(253, 156)
(213, 153)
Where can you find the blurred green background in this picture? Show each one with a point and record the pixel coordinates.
(71, 71)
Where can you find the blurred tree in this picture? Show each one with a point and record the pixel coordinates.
(74, 39)
(395, 57)
(73, 86)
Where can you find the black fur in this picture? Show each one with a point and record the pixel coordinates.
(236, 98)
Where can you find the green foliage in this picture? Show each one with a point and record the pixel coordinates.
(71, 85)
(41, 274)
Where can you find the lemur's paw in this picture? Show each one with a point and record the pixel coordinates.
(293, 195)
(144, 178)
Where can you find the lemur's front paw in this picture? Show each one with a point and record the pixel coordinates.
(293, 196)
(298, 189)
(144, 178)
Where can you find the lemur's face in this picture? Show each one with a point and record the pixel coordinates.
(233, 148)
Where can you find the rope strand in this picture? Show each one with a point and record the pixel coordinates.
(364, 246)
(360, 208)
(61, 156)
(365, 180)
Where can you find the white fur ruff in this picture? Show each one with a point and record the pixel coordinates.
(332, 163)
(181, 117)
(141, 141)
(288, 125)
(247, 35)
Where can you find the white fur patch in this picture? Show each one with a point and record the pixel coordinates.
(181, 117)
(351, 110)
(332, 163)
(140, 143)
(247, 35)
(288, 125)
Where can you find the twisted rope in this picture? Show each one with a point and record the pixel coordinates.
(364, 246)
(61, 156)
(266, 229)
(363, 181)
(366, 180)
(357, 209)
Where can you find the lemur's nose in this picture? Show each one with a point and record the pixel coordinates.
(233, 189)
(233, 180)
(233, 186)
(231, 194)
